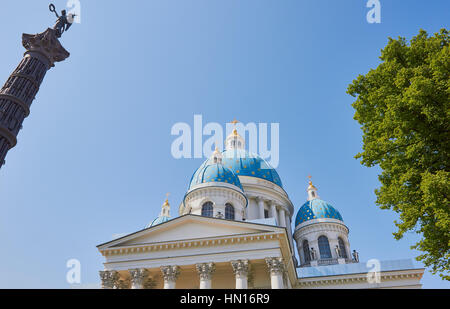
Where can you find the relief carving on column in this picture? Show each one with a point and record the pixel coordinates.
(139, 276)
(170, 273)
(110, 279)
(241, 268)
(276, 265)
(206, 270)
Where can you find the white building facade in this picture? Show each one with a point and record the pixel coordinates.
(234, 230)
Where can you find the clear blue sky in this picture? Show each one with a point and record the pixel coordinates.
(94, 158)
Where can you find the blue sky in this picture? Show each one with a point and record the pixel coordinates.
(94, 159)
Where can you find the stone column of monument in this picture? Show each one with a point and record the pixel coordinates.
(19, 91)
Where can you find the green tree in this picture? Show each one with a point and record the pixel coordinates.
(403, 107)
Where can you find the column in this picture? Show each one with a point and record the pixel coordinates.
(282, 217)
(276, 270)
(109, 279)
(240, 269)
(315, 253)
(19, 91)
(260, 202)
(139, 277)
(273, 211)
(205, 271)
(170, 275)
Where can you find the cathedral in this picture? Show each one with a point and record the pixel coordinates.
(234, 231)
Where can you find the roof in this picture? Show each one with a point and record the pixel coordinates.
(315, 209)
(244, 163)
(353, 268)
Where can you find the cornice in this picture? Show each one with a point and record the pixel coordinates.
(191, 243)
(360, 278)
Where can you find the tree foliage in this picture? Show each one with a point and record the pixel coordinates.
(403, 107)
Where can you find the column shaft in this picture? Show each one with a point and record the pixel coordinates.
(19, 91)
(260, 202)
(282, 217)
(276, 281)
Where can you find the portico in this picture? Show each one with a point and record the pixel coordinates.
(230, 254)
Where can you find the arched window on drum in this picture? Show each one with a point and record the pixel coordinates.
(229, 211)
(207, 209)
(324, 248)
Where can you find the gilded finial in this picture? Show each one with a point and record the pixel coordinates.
(234, 122)
(167, 198)
(311, 186)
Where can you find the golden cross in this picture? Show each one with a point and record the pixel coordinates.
(309, 176)
(235, 122)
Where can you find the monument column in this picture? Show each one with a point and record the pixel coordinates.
(240, 269)
(205, 271)
(19, 91)
(170, 275)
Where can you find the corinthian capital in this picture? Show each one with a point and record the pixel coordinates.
(240, 268)
(170, 273)
(205, 270)
(259, 199)
(138, 276)
(110, 279)
(275, 265)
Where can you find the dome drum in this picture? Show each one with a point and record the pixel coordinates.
(219, 197)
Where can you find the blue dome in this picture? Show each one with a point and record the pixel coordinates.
(213, 172)
(243, 163)
(316, 209)
(158, 220)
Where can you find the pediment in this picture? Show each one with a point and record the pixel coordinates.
(189, 227)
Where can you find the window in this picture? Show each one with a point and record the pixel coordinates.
(207, 209)
(306, 251)
(342, 248)
(313, 194)
(229, 211)
(266, 213)
(324, 248)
